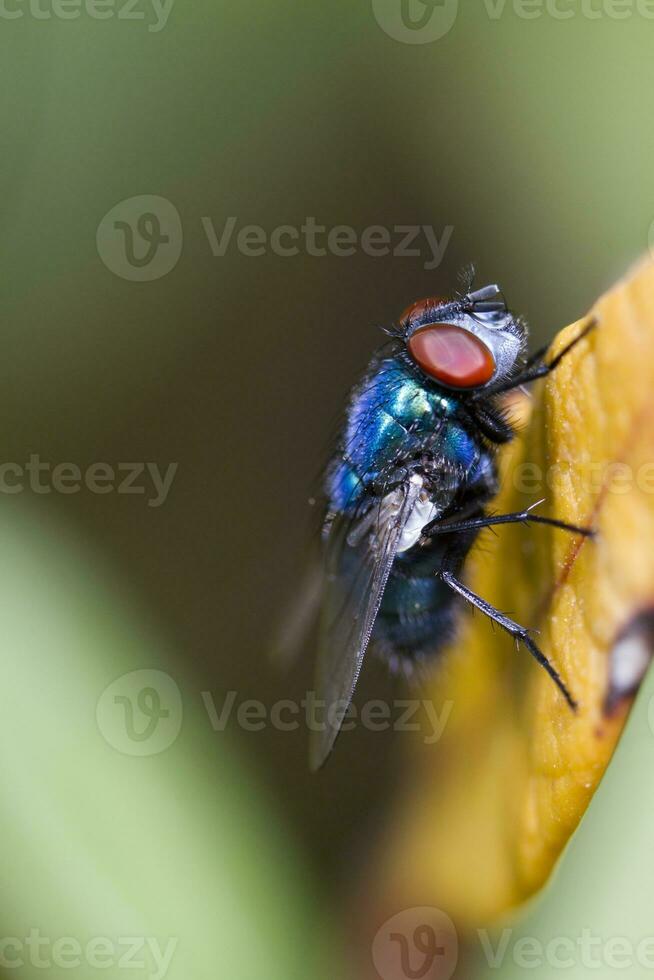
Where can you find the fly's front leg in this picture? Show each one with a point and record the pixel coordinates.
(493, 425)
(536, 357)
(533, 371)
(520, 633)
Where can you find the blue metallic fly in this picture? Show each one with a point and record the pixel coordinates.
(406, 491)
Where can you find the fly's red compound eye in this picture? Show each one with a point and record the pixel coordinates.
(452, 355)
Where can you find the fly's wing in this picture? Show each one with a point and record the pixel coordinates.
(359, 557)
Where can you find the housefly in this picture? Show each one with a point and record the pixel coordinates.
(406, 492)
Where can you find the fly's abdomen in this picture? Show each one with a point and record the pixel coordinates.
(417, 614)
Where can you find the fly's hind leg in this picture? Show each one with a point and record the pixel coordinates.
(514, 629)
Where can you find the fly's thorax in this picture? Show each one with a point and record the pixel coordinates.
(396, 417)
(389, 415)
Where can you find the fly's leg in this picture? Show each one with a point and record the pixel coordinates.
(538, 370)
(493, 426)
(537, 356)
(512, 628)
(519, 517)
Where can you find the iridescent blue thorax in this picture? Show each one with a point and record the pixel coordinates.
(395, 416)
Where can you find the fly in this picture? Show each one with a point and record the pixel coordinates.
(407, 489)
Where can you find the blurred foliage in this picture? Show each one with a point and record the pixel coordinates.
(176, 846)
(531, 138)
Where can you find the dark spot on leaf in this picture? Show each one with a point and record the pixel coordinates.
(629, 659)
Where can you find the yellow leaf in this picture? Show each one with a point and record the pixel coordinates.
(491, 806)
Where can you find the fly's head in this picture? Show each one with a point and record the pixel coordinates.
(470, 344)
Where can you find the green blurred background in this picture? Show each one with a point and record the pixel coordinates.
(531, 139)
